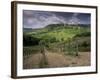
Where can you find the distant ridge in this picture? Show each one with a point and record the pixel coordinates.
(56, 26)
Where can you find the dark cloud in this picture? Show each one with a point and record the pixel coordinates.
(39, 19)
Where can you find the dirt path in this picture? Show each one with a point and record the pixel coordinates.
(57, 60)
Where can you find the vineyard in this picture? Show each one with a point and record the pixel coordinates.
(62, 40)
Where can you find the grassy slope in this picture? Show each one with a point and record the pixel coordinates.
(33, 58)
(61, 33)
(57, 33)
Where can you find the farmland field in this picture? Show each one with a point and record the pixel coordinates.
(57, 45)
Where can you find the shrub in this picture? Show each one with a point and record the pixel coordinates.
(29, 40)
(84, 34)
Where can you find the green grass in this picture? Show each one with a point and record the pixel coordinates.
(59, 34)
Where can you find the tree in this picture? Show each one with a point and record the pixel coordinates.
(44, 62)
(69, 47)
(29, 40)
(77, 48)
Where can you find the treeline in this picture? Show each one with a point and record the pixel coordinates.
(52, 26)
(29, 40)
(83, 34)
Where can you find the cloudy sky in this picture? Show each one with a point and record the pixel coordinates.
(39, 19)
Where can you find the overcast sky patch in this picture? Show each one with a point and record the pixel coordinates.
(40, 19)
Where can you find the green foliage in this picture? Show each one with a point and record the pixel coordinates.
(28, 40)
(67, 39)
(83, 34)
